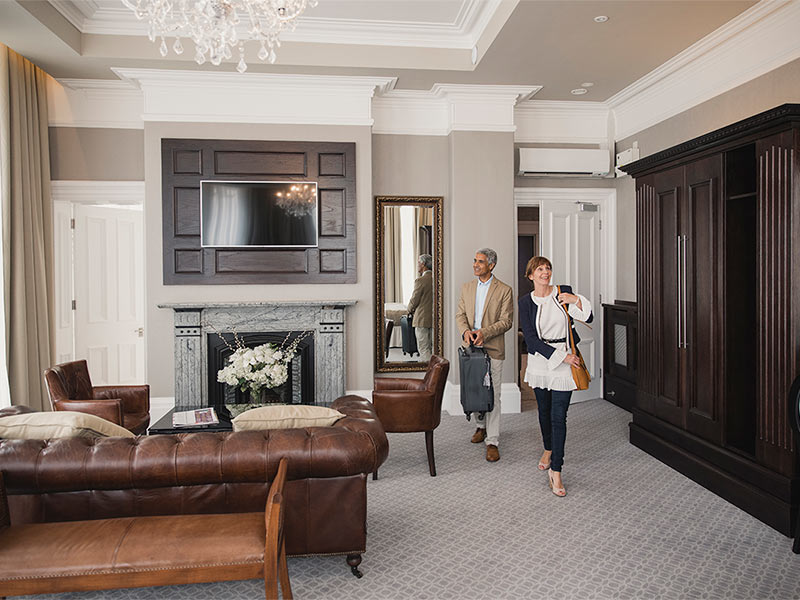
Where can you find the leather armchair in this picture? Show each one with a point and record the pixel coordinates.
(412, 405)
(70, 388)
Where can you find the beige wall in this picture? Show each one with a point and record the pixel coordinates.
(773, 89)
(410, 165)
(96, 154)
(159, 322)
(479, 213)
(471, 170)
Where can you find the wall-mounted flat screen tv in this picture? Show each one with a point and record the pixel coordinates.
(260, 214)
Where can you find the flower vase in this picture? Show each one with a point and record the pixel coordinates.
(269, 396)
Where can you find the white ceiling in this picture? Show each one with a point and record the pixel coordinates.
(550, 43)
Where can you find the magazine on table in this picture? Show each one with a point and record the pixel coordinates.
(199, 416)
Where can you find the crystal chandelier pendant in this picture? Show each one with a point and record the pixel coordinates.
(212, 25)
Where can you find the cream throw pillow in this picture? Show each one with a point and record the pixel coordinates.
(286, 416)
(58, 424)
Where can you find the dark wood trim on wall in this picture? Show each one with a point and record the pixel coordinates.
(185, 162)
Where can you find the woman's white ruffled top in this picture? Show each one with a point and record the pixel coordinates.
(551, 324)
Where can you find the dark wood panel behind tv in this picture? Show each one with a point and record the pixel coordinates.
(184, 163)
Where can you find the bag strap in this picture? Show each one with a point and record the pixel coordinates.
(569, 323)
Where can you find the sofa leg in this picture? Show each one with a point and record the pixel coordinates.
(375, 475)
(429, 447)
(354, 560)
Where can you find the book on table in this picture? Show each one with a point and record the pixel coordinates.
(199, 416)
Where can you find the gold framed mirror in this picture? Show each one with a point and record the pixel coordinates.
(408, 280)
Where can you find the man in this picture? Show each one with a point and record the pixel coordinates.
(485, 313)
(421, 306)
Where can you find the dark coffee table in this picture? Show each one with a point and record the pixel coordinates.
(164, 425)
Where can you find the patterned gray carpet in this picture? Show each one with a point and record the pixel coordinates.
(630, 527)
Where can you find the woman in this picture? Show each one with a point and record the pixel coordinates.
(544, 316)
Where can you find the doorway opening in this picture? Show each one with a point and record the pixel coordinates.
(99, 283)
(527, 246)
(576, 229)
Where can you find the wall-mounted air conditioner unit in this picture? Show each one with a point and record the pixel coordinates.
(564, 162)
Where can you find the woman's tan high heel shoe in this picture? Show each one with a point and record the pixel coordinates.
(543, 466)
(558, 491)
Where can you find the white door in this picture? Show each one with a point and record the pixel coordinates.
(109, 292)
(570, 238)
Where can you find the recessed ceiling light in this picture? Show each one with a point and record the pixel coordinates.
(600, 19)
(579, 91)
(587, 84)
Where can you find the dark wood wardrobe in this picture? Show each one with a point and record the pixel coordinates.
(718, 293)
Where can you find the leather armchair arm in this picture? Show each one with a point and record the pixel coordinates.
(109, 409)
(397, 383)
(407, 410)
(135, 398)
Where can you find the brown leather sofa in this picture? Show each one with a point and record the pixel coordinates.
(206, 473)
(71, 388)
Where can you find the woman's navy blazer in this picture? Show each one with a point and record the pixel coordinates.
(527, 322)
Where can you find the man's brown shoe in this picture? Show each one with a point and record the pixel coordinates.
(492, 453)
(478, 436)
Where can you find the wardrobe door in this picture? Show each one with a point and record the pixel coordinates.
(700, 290)
(669, 192)
(777, 331)
(648, 251)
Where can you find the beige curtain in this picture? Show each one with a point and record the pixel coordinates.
(392, 280)
(27, 229)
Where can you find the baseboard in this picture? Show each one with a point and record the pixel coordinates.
(510, 399)
(731, 485)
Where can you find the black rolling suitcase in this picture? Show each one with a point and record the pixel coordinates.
(409, 337)
(477, 391)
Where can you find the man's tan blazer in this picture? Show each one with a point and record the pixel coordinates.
(498, 315)
(421, 303)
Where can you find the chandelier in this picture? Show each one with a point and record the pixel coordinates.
(212, 24)
(298, 200)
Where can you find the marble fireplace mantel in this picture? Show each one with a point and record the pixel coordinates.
(195, 320)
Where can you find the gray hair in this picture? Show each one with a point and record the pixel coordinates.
(490, 255)
(427, 260)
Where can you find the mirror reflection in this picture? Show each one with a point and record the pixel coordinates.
(409, 248)
(408, 282)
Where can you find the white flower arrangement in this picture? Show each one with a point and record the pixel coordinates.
(265, 366)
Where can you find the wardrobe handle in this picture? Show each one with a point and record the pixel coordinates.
(685, 306)
(679, 279)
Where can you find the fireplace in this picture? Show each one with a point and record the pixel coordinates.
(298, 389)
(321, 367)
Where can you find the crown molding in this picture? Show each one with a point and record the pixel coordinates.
(94, 103)
(562, 122)
(201, 97)
(98, 192)
(463, 33)
(77, 13)
(448, 107)
(761, 39)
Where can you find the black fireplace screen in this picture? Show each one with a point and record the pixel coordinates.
(298, 389)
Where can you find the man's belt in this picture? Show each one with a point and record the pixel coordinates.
(555, 341)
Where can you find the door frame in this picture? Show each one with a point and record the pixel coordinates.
(606, 199)
(64, 196)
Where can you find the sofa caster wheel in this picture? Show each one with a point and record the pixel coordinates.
(354, 560)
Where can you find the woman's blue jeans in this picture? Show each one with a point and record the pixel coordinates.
(553, 407)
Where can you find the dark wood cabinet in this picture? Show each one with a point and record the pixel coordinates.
(718, 282)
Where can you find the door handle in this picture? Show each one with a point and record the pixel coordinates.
(678, 290)
(685, 304)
